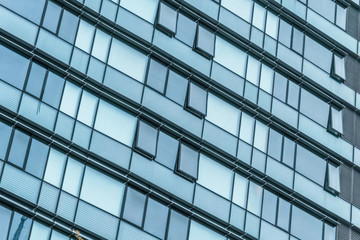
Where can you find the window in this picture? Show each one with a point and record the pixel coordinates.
(188, 161)
(18, 148)
(166, 19)
(176, 88)
(51, 18)
(196, 99)
(102, 191)
(146, 139)
(53, 90)
(178, 226)
(335, 123)
(199, 231)
(297, 41)
(37, 158)
(156, 76)
(341, 16)
(204, 41)
(167, 150)
(36, 80)
(186, 30)
(134, 206)
(332, 178)
(338, 67)
(55, 168)
(301, 220)
(156, 218)
(85, 36)
(68, 26)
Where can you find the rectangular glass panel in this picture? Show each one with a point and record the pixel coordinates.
(18, 148)
(55, 167)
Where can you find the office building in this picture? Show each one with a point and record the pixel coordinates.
(179, 119)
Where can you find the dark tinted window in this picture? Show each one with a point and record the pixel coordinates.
(196, 100)
(156, 76)
(205, 40)
(146, 138)
(188, 161)
(134, 206)
(166, 19)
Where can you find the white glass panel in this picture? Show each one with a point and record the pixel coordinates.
(73, 176)
(266, 79)
(101, 45)
(102, 191)
(272, 23)
(253, 70)
(240, 190)
(334, 177)
(70, 99)
(85, 36)
(255, 198)
(230, 56)
(55, 167)
(143, 8)
(128, 60)
(242, 8)
(223, 114)
(87, 108)
(259, 17)
(115, 123)
(199, 231)
(247, 128)
(336, 120)
(339, 66)
(215, 176)
(39, 232)
(261, 136)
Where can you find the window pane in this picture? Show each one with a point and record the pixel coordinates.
(5, 215)
(333, 177)
(176, 88)
(52, 15)
(36, 80)
(259, 17)
(261, 136)
(32, 10)
(247, 128)
(188, 161)
(336, 120)
(284, 33)
(134, 206)
(242, 8)
(275, 144)
(230, 56)
(5, 132)
(37, 158)
(272, 23)
(146, 138)
(215, 176)
(68, 26)
(156, 76)
(156, 218)
(297, 41)
(87, 108)
(145, 9)
(39, 232)
(293, 95)
(197, 98)
(283, 214)
(186, 29)
(85, 36)
(205, 41)
(167, 150)
(301, 220)
(253, 70)
(55, 167)
(199, 231)
(317, 53)
(269, 207)
(115, 123)
(53, 90)
(223, 114)
(252, 225)
(266, 80)
(127, 60)
(329, 232)
(101, 45)
(73, 176)
(280, 87)
(102, 191)
(18, 148)
(166, 19)
(339, 67)
(311, 165)
(22, 222)
(240, 190)
(70, 99)
(255, 198)
(178, 226)
(341, 16)
(324, 7)
(13, 67)
(288, 152)
(314, 108)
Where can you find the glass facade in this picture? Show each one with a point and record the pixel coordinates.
(179, 119)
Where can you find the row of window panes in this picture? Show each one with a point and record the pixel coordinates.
(14, 225)
(80, 104)
(93, 182)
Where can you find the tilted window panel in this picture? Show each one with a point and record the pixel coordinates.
(146, 139)
(166, 19)
(188, 162)
(332, 180)
(335, 123)
(338, 68)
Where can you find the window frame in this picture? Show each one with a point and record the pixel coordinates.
(338, 74)
(330, 127)
(335, 190)
(159, 25)
(178, 163)
(200, 50)
(188, 96)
